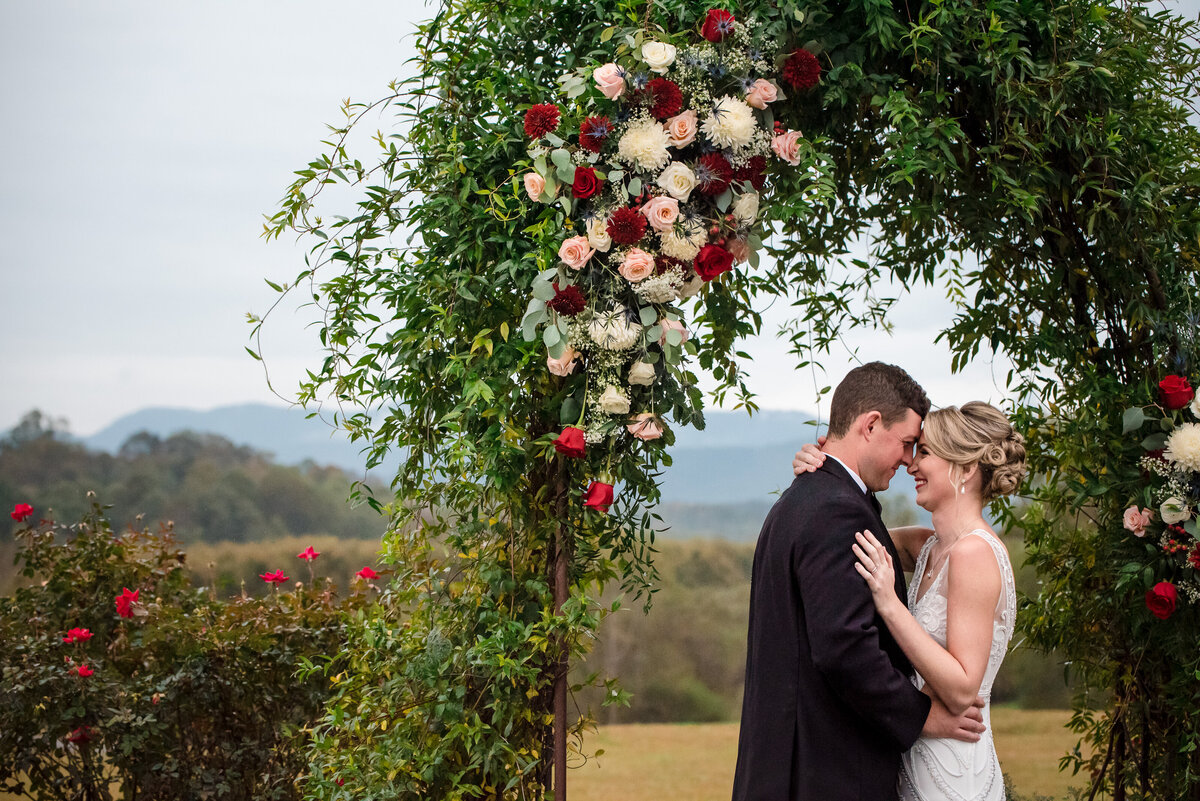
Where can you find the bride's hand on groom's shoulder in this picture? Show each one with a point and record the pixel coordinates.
(809, 457)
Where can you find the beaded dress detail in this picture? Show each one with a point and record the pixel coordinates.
(950, 770)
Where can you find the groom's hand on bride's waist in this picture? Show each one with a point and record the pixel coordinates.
(943, 723)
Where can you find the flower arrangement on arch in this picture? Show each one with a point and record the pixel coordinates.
(659, 161)
(1172, 469)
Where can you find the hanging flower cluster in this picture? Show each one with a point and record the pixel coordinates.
(1172, 465)
(659, 162)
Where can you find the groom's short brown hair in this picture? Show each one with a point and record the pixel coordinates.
(878, 387)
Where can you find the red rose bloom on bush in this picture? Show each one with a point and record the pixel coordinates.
(21, 512)
(80, 735)
(1161, 599)
(308, 554)
(567, 301)
(541, 120)
(367, 573)
(665, 98)
(711, 261)
(84, 671)
(1174, 392)
(273, 578)
(599, 496)
(802, 70)
(125, 601)
(570, 442)
(586, 184)
(77, 635)
(626, 226)
(717, 25)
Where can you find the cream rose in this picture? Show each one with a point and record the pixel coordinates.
(564, 365)
(740, 249)
(1174, 510)
(659, 56)
(745, 208)
(597, 235)
(645, 426)
(681, 129)
(678, 181)
(614, 401)
(610, 80)
(637, 265)
(661, 212)
(1195, 407)
(671, 325)
(642, 373)
(731, 123)
(575, 252)
(787, 147)
(691, 287)
(761, 93)
(535, 184)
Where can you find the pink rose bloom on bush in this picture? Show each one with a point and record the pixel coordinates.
(661, 212)
(575, 252)
(1136, 520)
(610, 80)
(761, 93)
(681, 129)
(787, 147)
(535, 184)
(637, 265)
(564, 365)
(645, 426)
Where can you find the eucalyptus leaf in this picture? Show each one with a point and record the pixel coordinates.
(543, 290)
(635, 187)
(675, 337)
(724, 199)
(1132, 419)
(647, 315)
(1155, 442)
(566, 174)
(551, 337)
(561, 158)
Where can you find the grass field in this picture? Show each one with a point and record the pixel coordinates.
(695, 762)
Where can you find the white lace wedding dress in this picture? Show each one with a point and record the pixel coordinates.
(950, 770)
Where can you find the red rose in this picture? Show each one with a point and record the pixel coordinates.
(77, 635)
(80, 735)
(711, 261)
(273, 578)
(1175, 392)
(84, 671)
(367, 573)
(571, 443)
(308, 554)
(599, 496)
(717, 25)
(125, 602)
(21, 512)
(586, 184)
(1161, 599)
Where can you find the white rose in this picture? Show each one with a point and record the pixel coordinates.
(691, 287)
(597, 234)
(745, 208)
(614, 401)
(678, 181)
(1195, 407)
(1174, 510)
(658, 56)
(642, 374)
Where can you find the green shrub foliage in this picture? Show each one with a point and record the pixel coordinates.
(185, 697)
(1035, 159)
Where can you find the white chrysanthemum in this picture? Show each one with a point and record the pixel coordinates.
(730, 124)
(678, 181)
(645, 144)
(1183, 447)
(612, 330)
(745, 208)
(686, 243)
(660, 288)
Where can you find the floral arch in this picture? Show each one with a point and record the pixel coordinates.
(572, 215)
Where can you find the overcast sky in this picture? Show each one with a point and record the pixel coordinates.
(144, 142)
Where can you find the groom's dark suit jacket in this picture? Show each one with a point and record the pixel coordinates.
(829, 706)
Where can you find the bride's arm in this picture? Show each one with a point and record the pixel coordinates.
(954, 673)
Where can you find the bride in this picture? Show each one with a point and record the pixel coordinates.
(961, 604)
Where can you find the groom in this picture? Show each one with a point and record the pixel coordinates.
(829, 706)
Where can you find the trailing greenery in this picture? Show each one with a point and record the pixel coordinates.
(1035, 159)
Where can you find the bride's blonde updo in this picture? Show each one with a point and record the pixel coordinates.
(978, 433)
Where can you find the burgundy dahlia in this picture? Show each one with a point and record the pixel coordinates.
(567, 301)
(717, 25)
(593, 133)
(665, 98)
(626, 226)
(802, 70)
(713, 174)
(664, 263)
(541, 120)
(753, 171)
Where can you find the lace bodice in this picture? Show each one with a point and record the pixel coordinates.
(931, 608)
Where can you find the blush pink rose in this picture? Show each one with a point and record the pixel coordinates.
(761, 93)
(787, 147)
(610, 80)
(671, 325)
(575, 252)
(564, 365)
(637, 265)
(661, 212)
(1136, 520)
(740, 249)
(681, 129)
(535, 184)
(645, 426)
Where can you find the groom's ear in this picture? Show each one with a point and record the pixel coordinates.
(869, 424)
